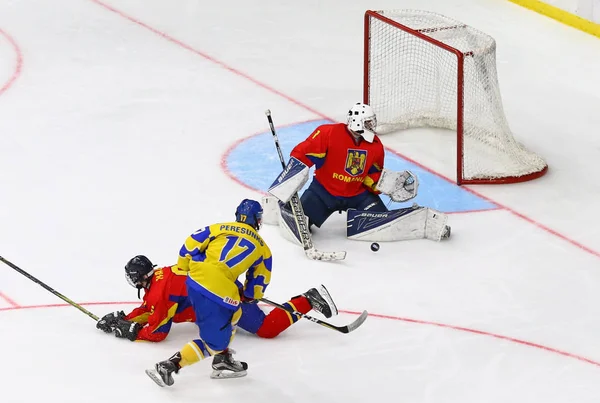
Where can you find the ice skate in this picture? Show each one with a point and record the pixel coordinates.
(224, 366)
(162, 373)
(321, 301)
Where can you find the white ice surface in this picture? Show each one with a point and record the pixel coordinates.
(111, 140)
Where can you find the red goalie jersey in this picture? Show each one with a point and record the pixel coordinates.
(345, 167)
(165, 302)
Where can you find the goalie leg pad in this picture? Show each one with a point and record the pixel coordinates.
(397, 225)
(270, 206)
(287, 184)
(287, 224)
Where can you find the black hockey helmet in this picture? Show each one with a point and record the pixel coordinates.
(138, 270)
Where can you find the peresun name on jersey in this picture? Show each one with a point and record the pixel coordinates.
(242, 230)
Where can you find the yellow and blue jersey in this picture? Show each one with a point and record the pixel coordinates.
(217, 255)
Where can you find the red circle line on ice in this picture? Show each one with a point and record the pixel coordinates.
(372, 315)
(18, 62)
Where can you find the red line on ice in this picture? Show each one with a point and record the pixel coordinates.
(10, 301)
(372, 315)
(226, 169)
(207, 57)
(62, 305)
(484, 333)
(18, 64)
(308, 108)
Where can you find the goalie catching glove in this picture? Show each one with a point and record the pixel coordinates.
(399, 186)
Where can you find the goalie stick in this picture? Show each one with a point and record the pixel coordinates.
(342, 329)
(298, 212)
(44, 285)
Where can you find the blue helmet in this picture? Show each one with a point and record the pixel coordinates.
(249, 212)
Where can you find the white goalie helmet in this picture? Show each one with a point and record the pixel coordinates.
(362, 120)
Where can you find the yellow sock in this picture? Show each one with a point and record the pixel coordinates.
(191, 354)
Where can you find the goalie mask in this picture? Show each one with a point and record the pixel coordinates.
(362, 121)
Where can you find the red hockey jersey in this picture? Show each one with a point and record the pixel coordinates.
(342, 166)
(165, 302)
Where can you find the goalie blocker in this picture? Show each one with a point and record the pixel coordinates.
(290, 180)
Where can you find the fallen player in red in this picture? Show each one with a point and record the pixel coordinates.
(165, 302)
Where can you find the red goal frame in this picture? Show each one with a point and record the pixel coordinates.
(460, 56)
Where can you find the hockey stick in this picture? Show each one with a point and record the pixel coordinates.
(59, 295)
(298, 212)
(342, 329)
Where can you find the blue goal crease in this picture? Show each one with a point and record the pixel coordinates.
(254, 162)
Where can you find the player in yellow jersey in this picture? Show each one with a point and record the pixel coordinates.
(213, 258)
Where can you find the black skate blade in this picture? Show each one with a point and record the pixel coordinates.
(155, 377)
(327, 297)
(223, 374)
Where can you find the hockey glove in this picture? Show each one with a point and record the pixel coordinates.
(108, 321)
(125, 329)
(243, 298)
(246, 300)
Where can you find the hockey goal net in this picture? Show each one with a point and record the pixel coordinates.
(426, 70)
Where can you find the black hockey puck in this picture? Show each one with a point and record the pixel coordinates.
(374, 246)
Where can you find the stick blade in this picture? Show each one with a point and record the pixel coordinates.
(358, 322)
(315, 254)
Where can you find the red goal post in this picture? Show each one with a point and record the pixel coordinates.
(423, 69)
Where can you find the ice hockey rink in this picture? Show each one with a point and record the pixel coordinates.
(125, 125)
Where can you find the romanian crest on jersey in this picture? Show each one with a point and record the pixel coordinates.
(356, 161)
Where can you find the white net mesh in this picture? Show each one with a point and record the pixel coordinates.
(414, 83)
